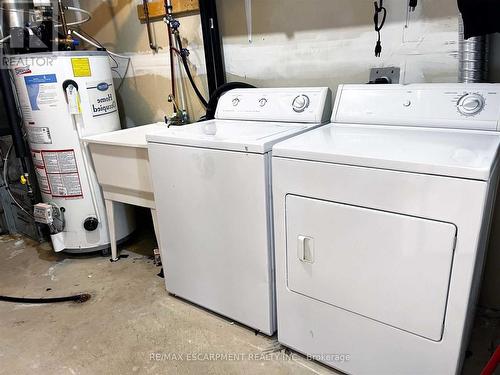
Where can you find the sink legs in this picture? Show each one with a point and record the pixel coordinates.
(112, 234)
(111, 225)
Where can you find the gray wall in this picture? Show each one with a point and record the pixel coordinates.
(325, 42)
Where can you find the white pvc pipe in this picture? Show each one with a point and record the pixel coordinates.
(78, 121)
(98, 46)
(5, 39)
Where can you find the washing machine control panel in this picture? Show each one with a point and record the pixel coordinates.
(453, 105)
(302, 105)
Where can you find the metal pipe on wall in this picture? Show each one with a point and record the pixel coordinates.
(472, 56)
(15, 13)
(212, 42)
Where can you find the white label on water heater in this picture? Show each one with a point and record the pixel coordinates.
(65, 185)
(42, 91)
(41, 174)
(101, 98)
(73, 100)
(39, 135)
(62, 173)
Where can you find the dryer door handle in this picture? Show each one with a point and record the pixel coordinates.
(305, 249)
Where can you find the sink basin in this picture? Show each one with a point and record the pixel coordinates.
(122, 165)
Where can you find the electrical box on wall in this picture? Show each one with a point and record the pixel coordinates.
(156, 8)
(43, 213)
(385, 75)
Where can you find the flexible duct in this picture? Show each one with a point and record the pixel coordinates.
(472, 57)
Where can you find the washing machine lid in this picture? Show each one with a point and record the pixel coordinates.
(245, 136)
(447, 152)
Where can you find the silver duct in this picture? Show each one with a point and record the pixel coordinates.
(472, 56)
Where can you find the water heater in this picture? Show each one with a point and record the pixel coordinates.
(63, 97)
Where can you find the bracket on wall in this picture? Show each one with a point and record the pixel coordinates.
(386, 75)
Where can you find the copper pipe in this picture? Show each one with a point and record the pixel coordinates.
(64, 25)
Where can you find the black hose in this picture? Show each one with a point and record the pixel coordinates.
(214, 99)
(79, 298)
(188, 71)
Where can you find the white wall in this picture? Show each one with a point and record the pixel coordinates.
(327, 42)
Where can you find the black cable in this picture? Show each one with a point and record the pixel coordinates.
(188, 71)
(114, 68)
(124, 75)
(80, 298)
(116, 62)
(214, 99)
(87, 35)
(378, 26)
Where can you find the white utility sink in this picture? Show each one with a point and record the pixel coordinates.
(122, 167)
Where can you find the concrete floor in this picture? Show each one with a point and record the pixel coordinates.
(131, 325)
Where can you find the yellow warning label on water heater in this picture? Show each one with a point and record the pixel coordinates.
(81, 67)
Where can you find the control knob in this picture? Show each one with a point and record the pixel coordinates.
(300, 103)
(90, 224)
(470, 104)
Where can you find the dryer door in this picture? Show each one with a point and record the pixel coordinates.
(388, 267)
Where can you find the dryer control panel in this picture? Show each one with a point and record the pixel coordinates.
(473, 106)
(299, 104)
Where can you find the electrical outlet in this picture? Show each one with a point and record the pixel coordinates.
(390, 74)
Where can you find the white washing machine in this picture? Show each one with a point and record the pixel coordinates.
(212, 187)
(381, 221)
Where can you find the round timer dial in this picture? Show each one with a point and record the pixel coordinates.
(470, 104)
(300, 103)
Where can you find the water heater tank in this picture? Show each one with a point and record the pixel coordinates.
(65, 96)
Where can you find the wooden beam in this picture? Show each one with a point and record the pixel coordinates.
(157, 9)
